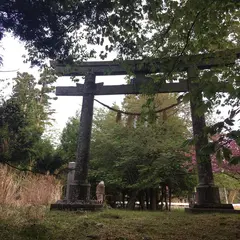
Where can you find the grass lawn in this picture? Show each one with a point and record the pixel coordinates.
(40, 224)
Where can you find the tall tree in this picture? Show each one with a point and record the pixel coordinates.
(24, 117)
(69, 138)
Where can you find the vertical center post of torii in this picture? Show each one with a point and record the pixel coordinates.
(80, 188)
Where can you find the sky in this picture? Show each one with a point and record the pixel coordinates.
(65, 106)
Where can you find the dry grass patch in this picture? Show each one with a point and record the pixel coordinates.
(27, 189)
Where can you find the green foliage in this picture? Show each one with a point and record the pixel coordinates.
(226, 181)
(12, 135)
(23, 119)
(134, 28)
(139, 158)
(68, 146)
(46, 158)
(132, 153)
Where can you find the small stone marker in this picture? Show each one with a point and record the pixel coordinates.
(70, 177)
(100, 192)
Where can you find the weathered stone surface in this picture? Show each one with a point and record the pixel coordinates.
(207, 192)
(100, 192)
(77, 206)
(176, 63)
(207, 195)
(216, 206)
(122, 89)
(70, 178)
(212, 208)
(79, 189)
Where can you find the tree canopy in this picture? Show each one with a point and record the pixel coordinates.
(61, 28)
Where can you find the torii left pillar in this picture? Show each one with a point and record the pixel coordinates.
(79, 189)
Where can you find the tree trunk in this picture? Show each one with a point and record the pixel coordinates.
(226, 195)
(169, 198)
(232, 195)
(132, 200)
(147, 198)
(161, 197)
(165, 197)
(123, 199)
(113, 201)
(153, 199)
(141, 200)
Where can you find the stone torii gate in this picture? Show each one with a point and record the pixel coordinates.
(79, 190)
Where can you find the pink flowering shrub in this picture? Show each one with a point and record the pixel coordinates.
(217, 166)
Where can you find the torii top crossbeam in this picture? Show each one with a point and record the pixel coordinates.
(147, 66)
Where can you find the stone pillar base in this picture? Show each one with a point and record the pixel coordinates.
(77, 206)
(79, 192)
(214, 206)
(208, 200)
(207, 194)
(211, 208)
(79, 199)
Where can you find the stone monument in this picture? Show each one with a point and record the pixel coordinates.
(100, 192)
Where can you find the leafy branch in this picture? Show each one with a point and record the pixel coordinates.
(189, 33)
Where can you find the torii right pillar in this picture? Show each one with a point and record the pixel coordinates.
(207, 196)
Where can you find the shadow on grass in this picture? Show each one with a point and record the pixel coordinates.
(25, 232)
(36, 231)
